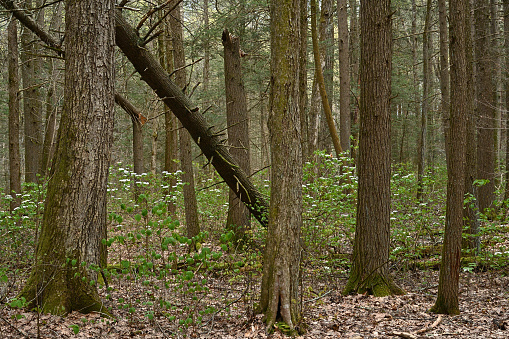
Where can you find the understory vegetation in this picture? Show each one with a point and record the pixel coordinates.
(154, 273)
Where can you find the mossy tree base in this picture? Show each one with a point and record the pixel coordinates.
(377, 285)
(62, 293)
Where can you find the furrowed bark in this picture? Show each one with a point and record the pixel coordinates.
(156, 77)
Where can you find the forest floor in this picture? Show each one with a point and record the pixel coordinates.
(484, 304)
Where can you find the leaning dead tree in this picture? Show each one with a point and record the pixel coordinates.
(204, 134)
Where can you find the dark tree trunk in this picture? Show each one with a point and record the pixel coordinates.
(280, 292)
(444, 70)
(74, 220)
(14, 155)
(303, 82)
(370, 260)
(461, 96)
(238, 218)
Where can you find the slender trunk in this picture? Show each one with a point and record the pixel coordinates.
(30, 69)
(14, 155)
(186, 157)
(426, 71)
(506, 89)
(461, 104)
(344, 76)
(444, 71)
(303, 82)
(321, 84)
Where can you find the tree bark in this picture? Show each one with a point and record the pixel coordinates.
(370, 261)
(303, 82)
(32, 108)
(186, 156)
(74, 222)
(321, 84)
(486, 98)
(280, 292)
(137, 120)
(444, 71)
(188, 113)
(238, 218)
(506, 90)
(461, 86)
(426, 71)
(344, 76)
(14, 155)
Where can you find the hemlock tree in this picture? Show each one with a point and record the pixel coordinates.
(279, 289)
(370, 262)
(239, 216)
(460, 50)
(74, 222)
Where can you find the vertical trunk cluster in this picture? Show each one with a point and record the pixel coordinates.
(238, 218)
(74, 220)
(280, 293)
(460, 49)
(14, 155)
(370, 260)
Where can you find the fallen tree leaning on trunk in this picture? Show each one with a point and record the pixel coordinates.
(189, 114)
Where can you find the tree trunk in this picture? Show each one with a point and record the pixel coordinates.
(238, 218)
(461, 86)
(344, 76)
(188, 113)
(137, 120)
(14, 155)
(280, 292)
(370, 261)
(322, 85)
(303, 82)
(506, 89)
(32, 108)
(74, 220)
(486, 105)
(48, 147)
(444, 71)
(186, 156)
(426, 71)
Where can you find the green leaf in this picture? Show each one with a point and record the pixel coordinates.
(75, 328)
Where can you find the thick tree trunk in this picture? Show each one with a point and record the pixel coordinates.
(461, 96)
(74, 220)
(14, 155)
(188, 113)
(238, 218)
(280, 292)
(370, 261)
(344, 76)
